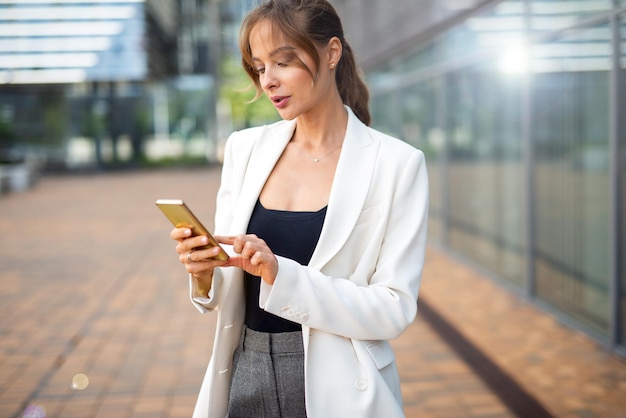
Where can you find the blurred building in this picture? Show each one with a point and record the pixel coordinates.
(519, 106)
(93, 82)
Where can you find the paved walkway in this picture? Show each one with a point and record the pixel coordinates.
(90, 287)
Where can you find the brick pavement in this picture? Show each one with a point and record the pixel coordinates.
(564, 369)
(89, 284)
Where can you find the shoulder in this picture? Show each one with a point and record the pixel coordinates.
(392, 143)
(252, 134)
(402, 167)
(244, 140)
(391, 149)
(394, 150)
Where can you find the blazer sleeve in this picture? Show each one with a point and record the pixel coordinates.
(378, 307)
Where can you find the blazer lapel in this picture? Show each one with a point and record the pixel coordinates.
(265, 154)
(349, 191)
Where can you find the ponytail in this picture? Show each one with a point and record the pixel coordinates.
(352, 89)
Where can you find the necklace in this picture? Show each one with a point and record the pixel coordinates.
(318, 159)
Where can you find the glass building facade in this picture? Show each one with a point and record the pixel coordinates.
(520, 109)
(90, 84)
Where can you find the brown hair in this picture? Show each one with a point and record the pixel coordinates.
(305, 23)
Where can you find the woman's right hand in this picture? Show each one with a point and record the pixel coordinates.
(199, 263)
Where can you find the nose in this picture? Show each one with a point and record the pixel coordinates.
(268, 79)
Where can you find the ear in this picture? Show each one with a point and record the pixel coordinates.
(334, 50)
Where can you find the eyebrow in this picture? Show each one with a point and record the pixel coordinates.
(277, 51)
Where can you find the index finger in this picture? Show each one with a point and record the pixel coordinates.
(180, 233)
(229, 240)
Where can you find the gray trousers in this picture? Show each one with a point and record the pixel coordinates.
(268, 376)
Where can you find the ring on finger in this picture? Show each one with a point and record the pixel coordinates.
(189, 256)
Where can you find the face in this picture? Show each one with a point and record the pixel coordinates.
(283, 74)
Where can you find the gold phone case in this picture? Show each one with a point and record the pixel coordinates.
(181, 216)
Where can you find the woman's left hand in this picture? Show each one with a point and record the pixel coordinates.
(255, 257)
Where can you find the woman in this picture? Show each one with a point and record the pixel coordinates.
(327, 222)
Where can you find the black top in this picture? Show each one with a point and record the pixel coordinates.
(291, 235)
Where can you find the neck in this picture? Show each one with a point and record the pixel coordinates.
(323, 130)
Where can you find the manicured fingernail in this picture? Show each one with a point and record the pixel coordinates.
(204, 240)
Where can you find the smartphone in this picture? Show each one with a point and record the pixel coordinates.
(182, 217)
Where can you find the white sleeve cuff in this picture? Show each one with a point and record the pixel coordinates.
(204, 303)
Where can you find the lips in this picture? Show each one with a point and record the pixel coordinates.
(280, 101)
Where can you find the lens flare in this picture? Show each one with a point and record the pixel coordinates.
(514, 60)
(34, 411)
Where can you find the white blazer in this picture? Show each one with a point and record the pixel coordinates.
(360, 288)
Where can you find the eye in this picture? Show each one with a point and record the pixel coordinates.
(260, 70)
(284, 59)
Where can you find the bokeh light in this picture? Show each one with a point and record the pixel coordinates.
(80, 381)
(34, 411)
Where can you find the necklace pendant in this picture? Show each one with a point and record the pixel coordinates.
(316, 160)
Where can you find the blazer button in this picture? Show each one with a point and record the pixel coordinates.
(304, 317)
(289, 313)
(361, 384)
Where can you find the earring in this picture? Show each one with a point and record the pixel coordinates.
(332, 65)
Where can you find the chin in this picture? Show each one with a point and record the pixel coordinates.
(287, 115)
